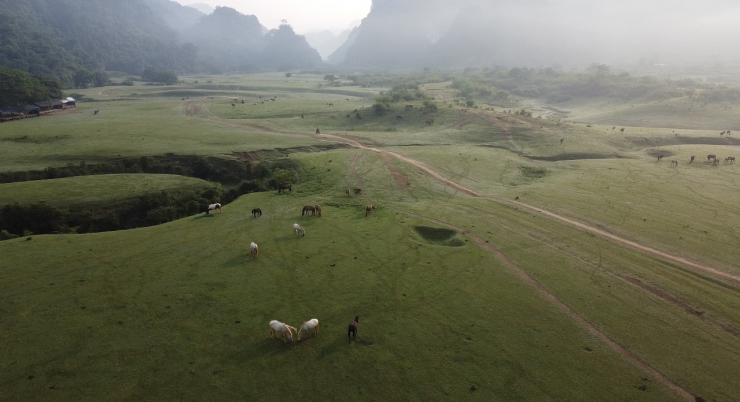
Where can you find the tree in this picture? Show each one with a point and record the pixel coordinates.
(163, 77)
(283, 176)
(330, 77)
(288, 75)
(382, 105)
(18, 88)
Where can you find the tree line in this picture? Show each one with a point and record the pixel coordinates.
(148, 209)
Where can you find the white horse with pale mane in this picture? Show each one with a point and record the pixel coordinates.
(254, 251)
(281, 330)
(307, 328)
(298, 229)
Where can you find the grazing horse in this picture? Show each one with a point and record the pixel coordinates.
(358, 191)
(284, 331)
(692, 159)
(309, 326)
(352, 330)
(711, 157)
(622, 130)
(256, 212)
(307, 209)
(368, 209)
(318, 210)
(730, 159)
(254, 251)
(674, 162)
(298, 229)
(213, 207)
(346, 191)
(660, 156)
(285, 186)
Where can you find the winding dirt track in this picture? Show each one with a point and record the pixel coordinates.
(540, 289)
(693, 266)
(521, 273)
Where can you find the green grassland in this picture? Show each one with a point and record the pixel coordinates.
(93, 189)
(442, 278)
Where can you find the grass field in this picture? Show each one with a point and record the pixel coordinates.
(92, 189)
(506, 258)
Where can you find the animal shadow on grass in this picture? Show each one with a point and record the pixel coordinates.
(201, 216)
(239, 261)
(263, 348)
(342, 344)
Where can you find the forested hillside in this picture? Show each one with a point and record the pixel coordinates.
(59, 37)
(72, 40)
(236, 43)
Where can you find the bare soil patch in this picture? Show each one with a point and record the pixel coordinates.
(398, 177)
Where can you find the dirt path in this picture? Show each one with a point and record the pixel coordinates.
(547, 295)
(398, 177)
(699, 268)
(693, 266)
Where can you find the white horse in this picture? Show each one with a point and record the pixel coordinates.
(213, 207)
(254, 250)
(283, 331)
(309, 326)
(298, 229)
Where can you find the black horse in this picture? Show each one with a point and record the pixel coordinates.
(352, 330)
(285, 186)
(256, 212)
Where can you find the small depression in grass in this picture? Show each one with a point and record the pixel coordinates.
(439, 236)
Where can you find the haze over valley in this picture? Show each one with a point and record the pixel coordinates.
(530, 200)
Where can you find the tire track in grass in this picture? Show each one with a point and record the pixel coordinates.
(690, 265)
(550, 297)
(521, 273)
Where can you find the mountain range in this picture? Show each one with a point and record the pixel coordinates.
(62, 38)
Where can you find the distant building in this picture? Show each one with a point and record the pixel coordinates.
(69, 102)
(45, 106)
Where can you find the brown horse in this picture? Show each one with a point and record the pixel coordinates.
(352, 330)
(674, 162)
(711, 157)
(368, 209)
(730, 159)
(660, 156)
(358, 191)
(692, 159)
(318, 210)
(307, 209)
(346, 191)
(285, 186)
(256, 212)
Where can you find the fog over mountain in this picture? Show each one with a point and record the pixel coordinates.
(415, 33)
(203, 8)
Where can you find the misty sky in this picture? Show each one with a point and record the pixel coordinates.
(304, 16)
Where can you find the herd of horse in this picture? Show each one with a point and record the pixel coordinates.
(711, 158)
